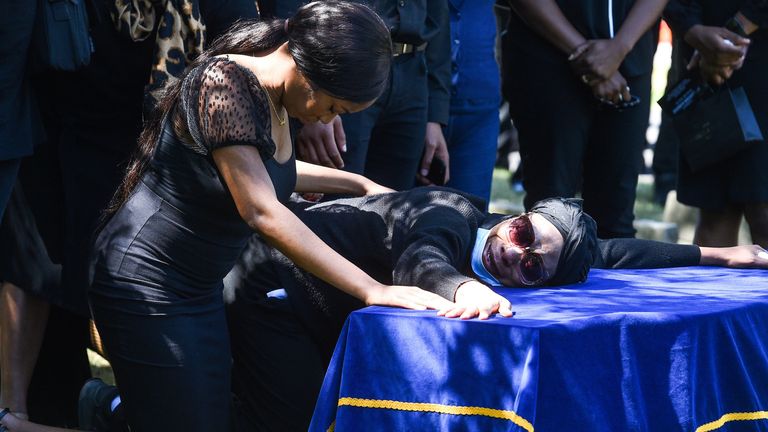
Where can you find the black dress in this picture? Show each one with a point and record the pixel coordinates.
(742, 178)
(156, 295)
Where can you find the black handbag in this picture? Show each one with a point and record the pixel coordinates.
(712, 123)
(62, 38)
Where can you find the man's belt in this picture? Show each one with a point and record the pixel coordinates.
(405, 48)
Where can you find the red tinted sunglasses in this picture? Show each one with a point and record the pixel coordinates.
(521, 233)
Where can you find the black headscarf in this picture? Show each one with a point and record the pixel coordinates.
(579, 233)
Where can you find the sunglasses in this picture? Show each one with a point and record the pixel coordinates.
(522, 235)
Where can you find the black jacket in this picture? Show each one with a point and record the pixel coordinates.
(422, 237)
(681, 15)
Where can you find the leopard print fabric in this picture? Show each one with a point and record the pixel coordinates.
(181, 35)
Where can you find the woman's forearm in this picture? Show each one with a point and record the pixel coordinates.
(251, 188)
(320, 179)
(546, 19)
(287, 233)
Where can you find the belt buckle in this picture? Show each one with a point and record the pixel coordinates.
(401, 48)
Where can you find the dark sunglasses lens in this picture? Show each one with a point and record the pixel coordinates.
(521, 231)
(532, 268)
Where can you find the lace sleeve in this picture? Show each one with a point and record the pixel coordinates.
(224, 106)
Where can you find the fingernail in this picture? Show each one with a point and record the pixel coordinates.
(424, 172)
(344, 148)
(763, 255)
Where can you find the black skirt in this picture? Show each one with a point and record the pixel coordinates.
(743, 178)
(24, 259)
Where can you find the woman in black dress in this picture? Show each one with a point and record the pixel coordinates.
(730, 41)
(217, 164)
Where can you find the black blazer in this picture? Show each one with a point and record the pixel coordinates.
(422, 237)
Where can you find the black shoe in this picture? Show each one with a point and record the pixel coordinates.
(4, 412)
(95, 408)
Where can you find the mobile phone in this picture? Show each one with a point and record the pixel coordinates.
(436, 172)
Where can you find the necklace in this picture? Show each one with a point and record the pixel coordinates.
(272, 104)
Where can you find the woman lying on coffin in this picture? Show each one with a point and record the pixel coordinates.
(442, 242)
(285, 323)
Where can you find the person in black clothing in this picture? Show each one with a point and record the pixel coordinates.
(20, 128)
(284, 322)
(568, 67)
(92, 119)
(738, 186)
(216, 165)
(20, 131)
(401, 133)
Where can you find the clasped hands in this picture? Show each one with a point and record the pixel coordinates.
(719, 52)
(596, 62)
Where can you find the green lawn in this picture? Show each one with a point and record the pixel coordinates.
(645, 208)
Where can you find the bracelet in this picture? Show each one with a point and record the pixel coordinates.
(4, 412)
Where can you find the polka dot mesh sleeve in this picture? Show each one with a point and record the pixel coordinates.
(225, 105)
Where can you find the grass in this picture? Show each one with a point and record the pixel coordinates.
(645, 208)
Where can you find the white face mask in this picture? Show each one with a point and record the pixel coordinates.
(477, 258)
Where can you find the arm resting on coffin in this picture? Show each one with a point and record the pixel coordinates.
(636, 253)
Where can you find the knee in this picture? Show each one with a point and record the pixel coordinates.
(757, 218)
(718, 228)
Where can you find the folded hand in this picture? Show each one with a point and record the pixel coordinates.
(614, 90)
(597, 59)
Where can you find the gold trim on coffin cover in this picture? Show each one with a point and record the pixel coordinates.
(737, 416)
(435, 408)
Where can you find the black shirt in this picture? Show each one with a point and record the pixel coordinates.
(592, 19)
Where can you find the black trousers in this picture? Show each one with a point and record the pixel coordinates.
(278, 368)
(569, 144)
(8, 171)
(385, 142)
(61, 370)
(172, 369)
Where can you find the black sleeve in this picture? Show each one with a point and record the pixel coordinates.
(219, 15)
(636, 254)
(429, 255)
(681, 15)
(438, 56)
(224, 106)
(756, 11)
